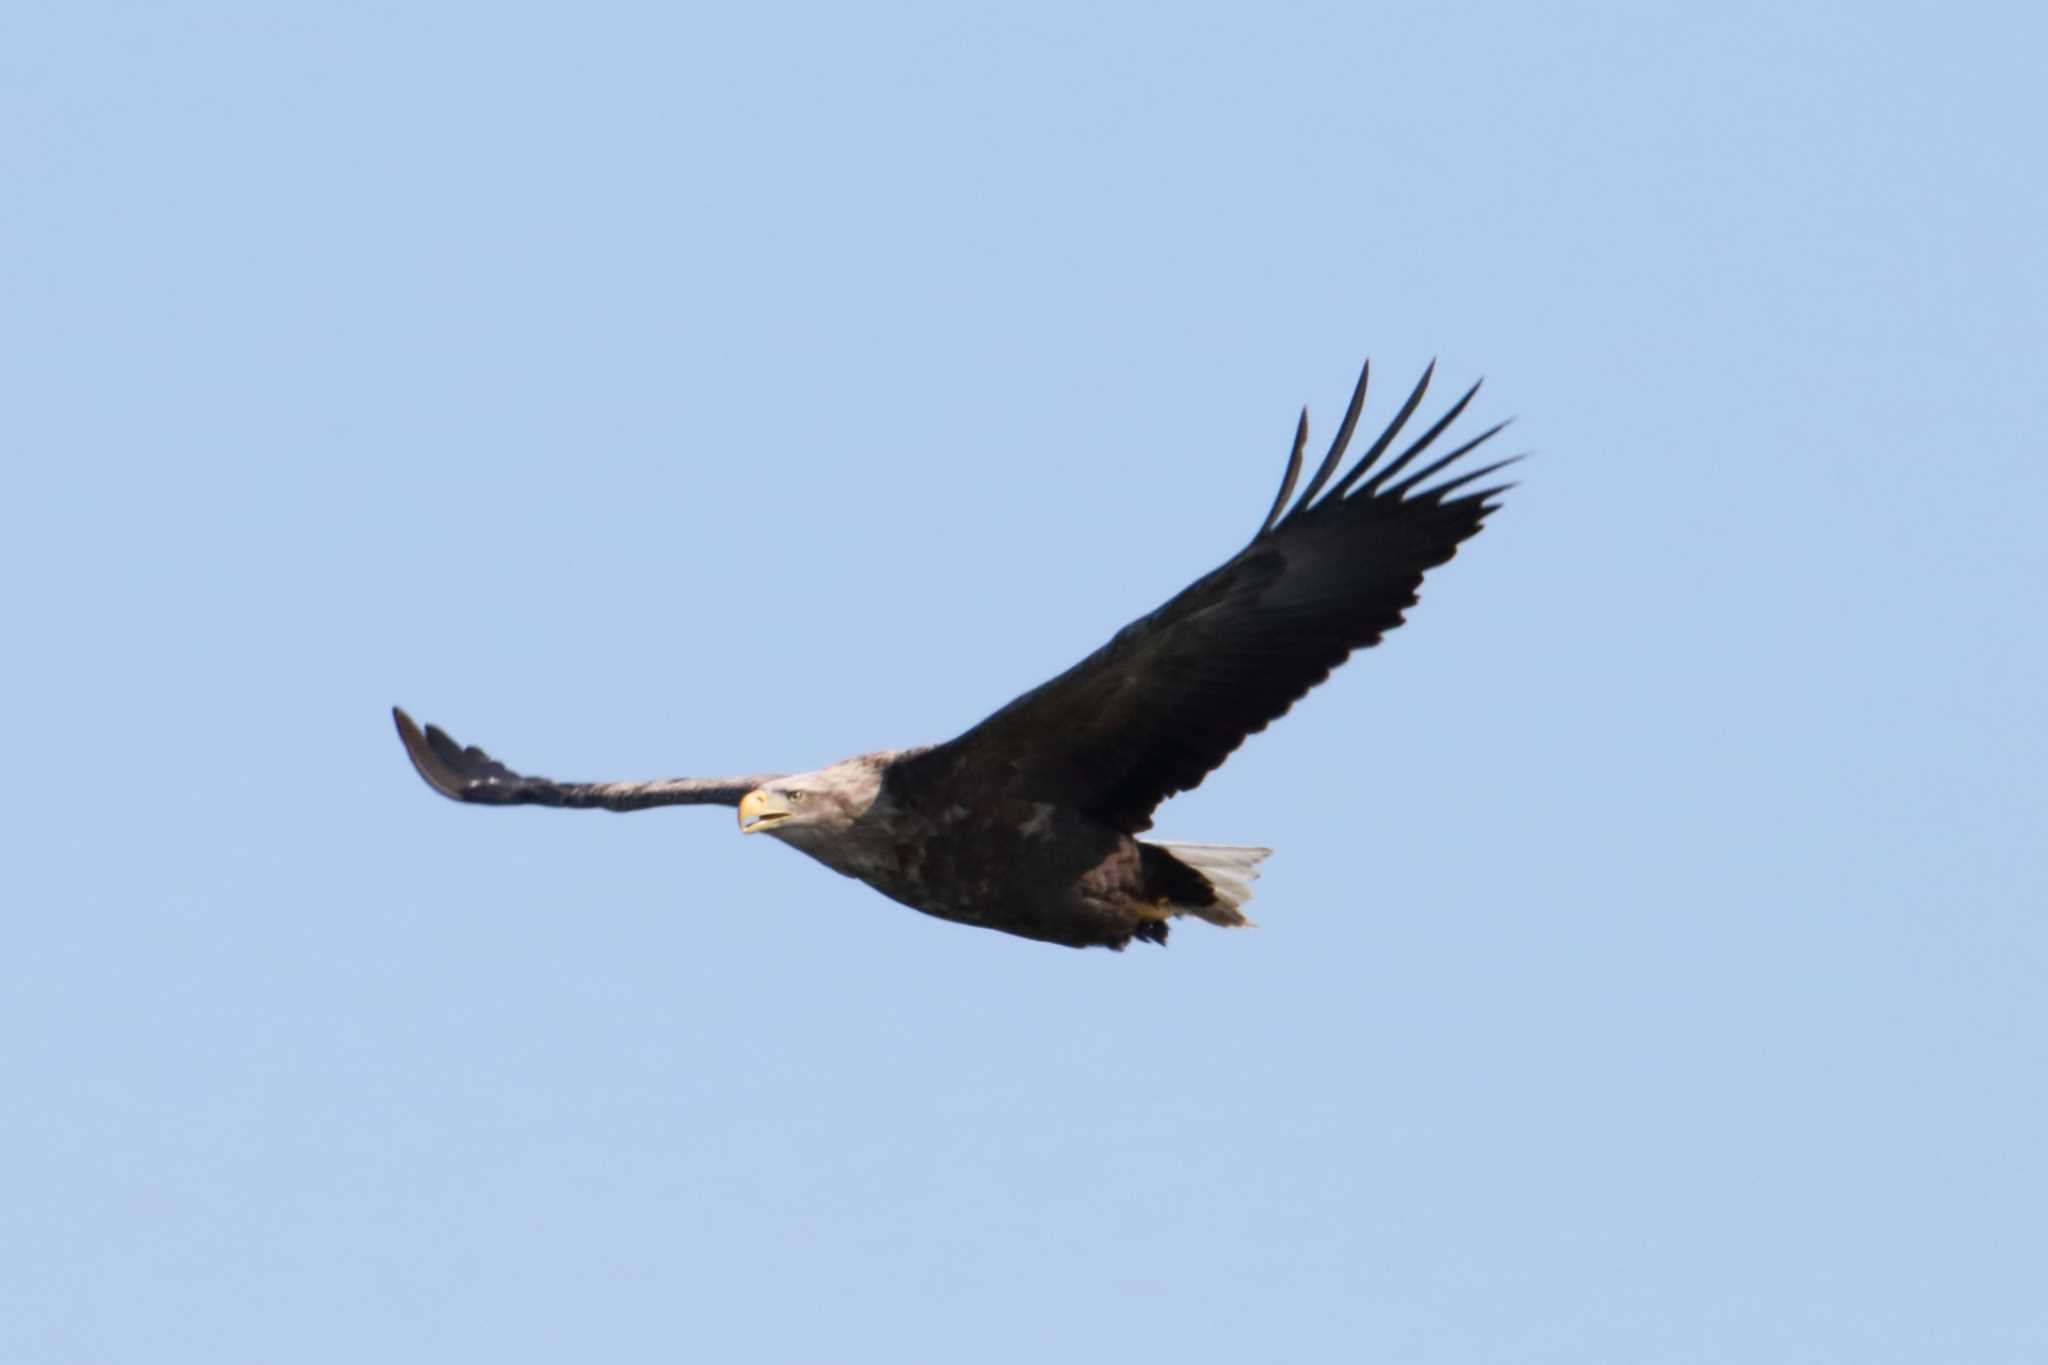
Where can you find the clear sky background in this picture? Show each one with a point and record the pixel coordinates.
(1651, 967)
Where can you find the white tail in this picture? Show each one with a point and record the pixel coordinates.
(1231, 869)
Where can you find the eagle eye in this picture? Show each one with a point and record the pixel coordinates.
(796, 798)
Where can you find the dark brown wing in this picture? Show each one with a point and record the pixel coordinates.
(474, 776)
(1161, 705)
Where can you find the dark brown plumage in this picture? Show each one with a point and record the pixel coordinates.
(1027, 822)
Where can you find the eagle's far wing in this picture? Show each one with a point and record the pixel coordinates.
(1161, 705)
(474, 776)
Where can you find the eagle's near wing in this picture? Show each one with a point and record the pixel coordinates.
(1161, 705)
(472, 775)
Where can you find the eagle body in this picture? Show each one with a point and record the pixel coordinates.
(1030, 868)
(1028, 823)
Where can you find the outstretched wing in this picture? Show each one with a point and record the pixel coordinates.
(472, 775)
(1161, 705)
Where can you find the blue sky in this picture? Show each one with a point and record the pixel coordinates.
(1650, 965)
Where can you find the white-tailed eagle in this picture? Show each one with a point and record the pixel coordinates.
(1028, 822)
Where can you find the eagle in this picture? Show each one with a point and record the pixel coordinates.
(1028, 823)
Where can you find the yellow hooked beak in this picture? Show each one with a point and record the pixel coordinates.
(761, 810)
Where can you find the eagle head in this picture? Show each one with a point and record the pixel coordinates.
(825, 802)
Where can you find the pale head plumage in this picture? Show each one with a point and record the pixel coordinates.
(808, 808)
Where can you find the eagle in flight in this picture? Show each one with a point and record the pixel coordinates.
(1029, 822)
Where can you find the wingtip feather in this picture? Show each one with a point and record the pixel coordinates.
(1293, 472)
(423, 748)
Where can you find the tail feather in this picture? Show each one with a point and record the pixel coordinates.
(1230, 870)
